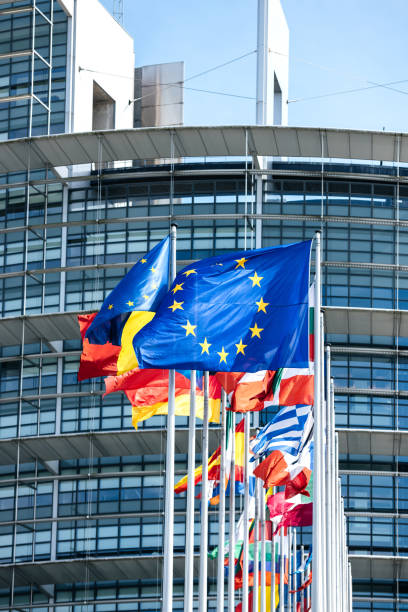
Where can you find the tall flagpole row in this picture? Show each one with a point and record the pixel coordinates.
(169, 495)
(189, 561)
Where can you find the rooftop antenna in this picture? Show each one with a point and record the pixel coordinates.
(118, 11)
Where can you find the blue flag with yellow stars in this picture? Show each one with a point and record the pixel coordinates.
(131, 305)
(242, 312)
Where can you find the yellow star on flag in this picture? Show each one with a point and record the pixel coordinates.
(256, 331)
(130, 303)
(240, 347)
(262, 305)
(178, 288)
(143, 260)
(176, 306)
(110, 306)
(223, 356)
(146, 297)
(205, 346)
(256, 279)
(240, 263)
(189, 328)
(152, 269)
(188, 272)
(155, 285)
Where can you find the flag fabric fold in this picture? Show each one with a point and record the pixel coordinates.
(108, 335)
(241, 312)
(254, 391)
(147, 391)
(287, 432)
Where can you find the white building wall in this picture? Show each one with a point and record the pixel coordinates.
(101, 51)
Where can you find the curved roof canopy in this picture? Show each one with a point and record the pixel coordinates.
(224, 141)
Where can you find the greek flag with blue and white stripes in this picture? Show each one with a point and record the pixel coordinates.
(287, 432)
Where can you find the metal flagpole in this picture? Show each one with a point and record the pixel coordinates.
(317, 600)
(329, 478)
(245, 577)
(340, 549)
(336, 521)
(323, 488)
(263, 558)
(189, 561)
(290, 568)
(256, 554)
(221, 512)
(169, 499)
(302, 579)
(332, 515)
(294, 568)
(202, 603)
(281, 572)
(350, 608)
(231, 554)
(273, 571)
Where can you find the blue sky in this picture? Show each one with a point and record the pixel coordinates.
(334, 46)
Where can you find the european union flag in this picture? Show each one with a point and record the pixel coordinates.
(242, 312)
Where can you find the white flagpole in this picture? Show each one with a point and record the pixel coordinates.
(340, 537)
(245, 577)
(323, 488)
(350, 608)
(231, 554)
(290, 567)
(317, 586)
(333, 550)
(328, 479)
(302, 579)
(273, 571)
(221, 512)
(256, 553)
(281, 573)
(169, 499)
(294, 568)
(336, 523)
(189, 561)
(263, 535)
(202, 603)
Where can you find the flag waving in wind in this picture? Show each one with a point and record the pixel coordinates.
(242, 312)
(108, 335)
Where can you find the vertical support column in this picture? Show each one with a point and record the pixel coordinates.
(202, 604)
(245, 580)
(263, 547)
(281, 571)
(231, 553)
(221, 511)
(255, 598)
(262, 62)
(317, 585)
(169, 499)
(189, 561)
(273, 572)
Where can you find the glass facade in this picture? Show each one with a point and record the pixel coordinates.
(33, 57)
(64, 248)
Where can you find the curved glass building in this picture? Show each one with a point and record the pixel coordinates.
(81, 523)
